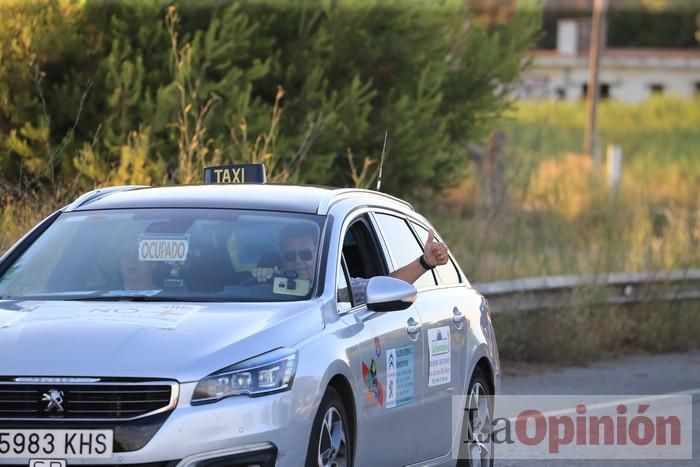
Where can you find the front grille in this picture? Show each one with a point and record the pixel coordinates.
(84, 401)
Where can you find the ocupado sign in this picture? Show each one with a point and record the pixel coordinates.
(163, 249)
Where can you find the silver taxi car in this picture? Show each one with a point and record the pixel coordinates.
(136, 328)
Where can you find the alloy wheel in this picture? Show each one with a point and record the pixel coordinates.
(332, 445)
(481, 442)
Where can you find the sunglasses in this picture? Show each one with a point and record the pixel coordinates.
(291, 255)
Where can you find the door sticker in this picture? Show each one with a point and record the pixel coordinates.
(440, 356)
(375, 391)
(399, 376)
(166, 316)
(377, 346)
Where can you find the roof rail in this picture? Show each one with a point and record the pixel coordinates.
(345, 193)
(99, 193)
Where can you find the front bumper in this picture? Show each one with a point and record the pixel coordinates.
(265, 431)
(263, 455)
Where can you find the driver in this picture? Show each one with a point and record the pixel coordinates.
(297, 253)
(298, 244)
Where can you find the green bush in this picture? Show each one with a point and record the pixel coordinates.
(87, 86)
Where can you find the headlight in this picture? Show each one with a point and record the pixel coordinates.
(267, 373)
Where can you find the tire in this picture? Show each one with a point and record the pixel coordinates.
(331, 443)
(478, 449)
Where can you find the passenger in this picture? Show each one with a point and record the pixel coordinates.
(136, 274)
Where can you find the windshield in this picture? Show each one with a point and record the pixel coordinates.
(169, 254)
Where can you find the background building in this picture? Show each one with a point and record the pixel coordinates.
(626, 73)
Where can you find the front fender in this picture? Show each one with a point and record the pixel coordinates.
(320, 361)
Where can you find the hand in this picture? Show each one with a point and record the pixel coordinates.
(264, 274)
(435, 252)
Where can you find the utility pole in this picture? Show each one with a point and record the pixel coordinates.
(598, 28)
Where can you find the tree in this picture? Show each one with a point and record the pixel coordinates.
(85, 86)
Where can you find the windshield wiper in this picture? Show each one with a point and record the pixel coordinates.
(139, 298)
(110, 298)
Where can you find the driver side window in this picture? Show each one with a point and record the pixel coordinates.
(362, 260)
(361, 251)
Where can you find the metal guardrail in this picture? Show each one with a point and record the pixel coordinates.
(560, 292)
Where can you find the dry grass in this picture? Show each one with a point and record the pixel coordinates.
(19, 214)
(584, 335)
(559, 217)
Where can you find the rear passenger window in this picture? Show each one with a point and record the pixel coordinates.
(403, 245)
(447, 273)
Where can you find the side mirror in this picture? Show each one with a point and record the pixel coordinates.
(389, 294)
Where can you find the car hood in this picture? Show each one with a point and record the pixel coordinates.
(182, 341)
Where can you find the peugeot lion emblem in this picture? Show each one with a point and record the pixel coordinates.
(55, 400)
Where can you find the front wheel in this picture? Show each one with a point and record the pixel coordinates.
(476, 446)
(330, 444)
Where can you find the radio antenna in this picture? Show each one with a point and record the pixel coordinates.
(381, 161)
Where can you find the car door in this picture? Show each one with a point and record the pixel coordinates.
(444, 311)
(388, 363)
(443, 339)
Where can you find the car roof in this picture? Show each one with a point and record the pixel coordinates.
(267, 197)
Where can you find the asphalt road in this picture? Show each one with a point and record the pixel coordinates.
(642, 375)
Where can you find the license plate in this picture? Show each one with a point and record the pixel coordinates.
(47, 463)
(61, 444)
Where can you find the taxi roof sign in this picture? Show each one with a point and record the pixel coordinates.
(235, 174)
